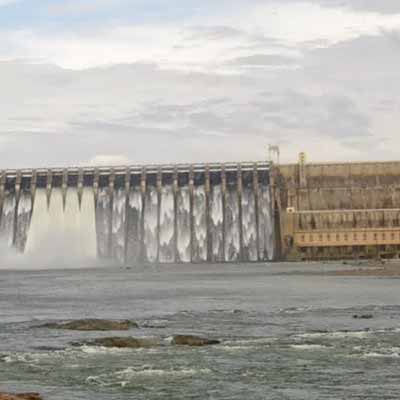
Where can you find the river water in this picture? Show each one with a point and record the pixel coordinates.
(286, 331)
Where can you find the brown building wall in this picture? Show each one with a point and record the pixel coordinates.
(373, 188)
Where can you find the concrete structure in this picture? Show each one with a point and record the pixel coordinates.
(338, 210)
(146, 214)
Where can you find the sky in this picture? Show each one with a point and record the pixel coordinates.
(106, 82)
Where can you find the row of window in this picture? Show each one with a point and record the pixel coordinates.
(338, 237)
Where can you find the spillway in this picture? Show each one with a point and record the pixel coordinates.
(141, 215)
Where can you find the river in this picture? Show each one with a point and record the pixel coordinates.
(287, 331)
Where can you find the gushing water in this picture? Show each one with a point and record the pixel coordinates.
(60, 233)
(134, 231)
(249, 225)
(7, 220)
(118, 226)
(217, 224)
(151, 225)
(183, 223)
(167, 217)
(232, 235)
(160, 224)
(200, 224)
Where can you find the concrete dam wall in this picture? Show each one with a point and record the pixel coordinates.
(151, 214)
(338, 210)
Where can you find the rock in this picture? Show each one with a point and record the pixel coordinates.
(363, 316)
(190, 340)
(93, 325)
(21, 396)
(123, 342)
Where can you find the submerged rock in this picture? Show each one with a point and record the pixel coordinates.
(92, 325)
(21, 396)
(190, 340)
(363, 316)
(123, 342)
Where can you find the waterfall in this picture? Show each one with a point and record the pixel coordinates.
(39, 222)
(232, 234)
(118, 226)
(161, 224)
(216, 224)
(199, 244)
(134, 252)
(7, 220)
(266, 224)
(151, 224)
(103, 216)
(24, 211)
(59, 234)
(167, 221)
(249, 225)
(88, 224)
(183, 224)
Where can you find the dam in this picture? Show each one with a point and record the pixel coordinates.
(191, 213)
(336, 211)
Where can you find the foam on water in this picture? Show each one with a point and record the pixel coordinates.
(130, 375)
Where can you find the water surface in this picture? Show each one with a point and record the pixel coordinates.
(286, 333)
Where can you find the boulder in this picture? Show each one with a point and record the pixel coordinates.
(93, 325)
(21, 396)
(190, 340)
(363, 316)
(123, 342)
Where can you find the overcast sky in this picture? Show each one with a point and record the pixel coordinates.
(157, 81)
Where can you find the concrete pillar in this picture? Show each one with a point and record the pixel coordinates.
(176, 189)
(159, 187)
(49, 184)
(240, 192)
(143, 191)
(64, 187)
(18, 181)
(223, 187)
(80, 186)
(256, 207)
(33, 188)
(96, 179)
(2, 190)
(191, 195)
(127, 213)
(302, 170)
(111, 184)
(207, 188)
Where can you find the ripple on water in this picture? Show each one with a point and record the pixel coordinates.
(131, 375)
(308, 347)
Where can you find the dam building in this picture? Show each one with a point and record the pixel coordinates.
(142, 214)
(338, 211)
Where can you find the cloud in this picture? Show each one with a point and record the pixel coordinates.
(217, 87)
(261, 60)
(8, 2)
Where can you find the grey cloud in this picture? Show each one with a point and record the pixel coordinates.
(52, 116)
(379, 6)
(273, 60)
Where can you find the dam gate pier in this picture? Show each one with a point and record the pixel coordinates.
(192, 213)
